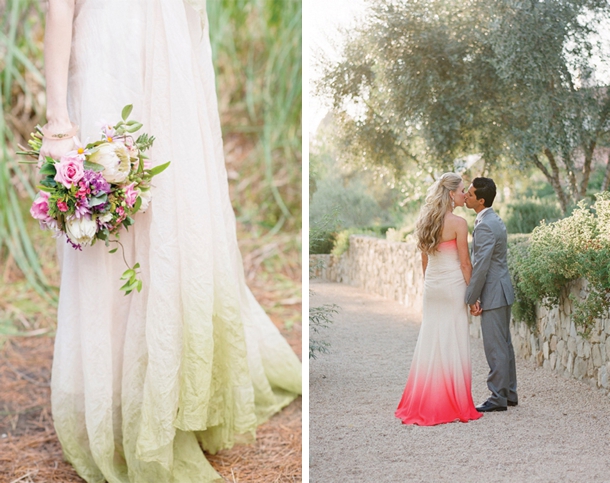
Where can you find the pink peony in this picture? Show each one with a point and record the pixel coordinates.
(40, 207)
(69, 170)
(131, 195)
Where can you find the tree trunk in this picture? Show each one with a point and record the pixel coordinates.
(606, 182)
(553, 179)
(586, 169)
(569, 162)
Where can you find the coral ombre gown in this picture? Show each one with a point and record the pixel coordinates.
(439, 383)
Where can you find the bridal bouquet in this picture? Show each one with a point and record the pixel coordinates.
(92, 192)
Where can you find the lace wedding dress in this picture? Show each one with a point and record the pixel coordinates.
(141, 381)
(438, 388)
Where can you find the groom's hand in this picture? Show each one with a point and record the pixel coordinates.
(476, 309)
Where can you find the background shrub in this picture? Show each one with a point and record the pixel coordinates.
(557, 253)
(523, 216)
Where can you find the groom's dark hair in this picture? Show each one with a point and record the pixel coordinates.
(485, 188)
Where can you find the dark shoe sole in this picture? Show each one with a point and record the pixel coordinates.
(491, 409)
(513, 404)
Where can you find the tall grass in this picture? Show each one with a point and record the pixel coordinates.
(257, 54)
(22, 87)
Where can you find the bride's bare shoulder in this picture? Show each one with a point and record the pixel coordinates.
(455, 220)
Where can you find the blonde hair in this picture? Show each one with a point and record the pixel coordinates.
(429, 227)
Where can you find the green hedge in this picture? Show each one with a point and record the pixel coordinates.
(523, 216)
(557, 253)
(342, 238)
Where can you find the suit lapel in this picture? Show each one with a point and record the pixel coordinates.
(491, 210)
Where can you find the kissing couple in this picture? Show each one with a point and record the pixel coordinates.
(438, 388)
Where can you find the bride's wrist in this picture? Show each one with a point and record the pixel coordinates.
(57, 130)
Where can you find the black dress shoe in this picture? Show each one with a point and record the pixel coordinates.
(488, 407)
(512, 403)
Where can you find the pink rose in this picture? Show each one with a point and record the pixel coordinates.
(40, 207)
(69, 170)
(63, 206)
(131, 195)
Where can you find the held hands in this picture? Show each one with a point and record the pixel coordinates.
(476, 309)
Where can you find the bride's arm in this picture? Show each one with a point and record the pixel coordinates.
(424, 262)
(57, 46)
(462, 246)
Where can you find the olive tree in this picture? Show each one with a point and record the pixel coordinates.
(423, 83)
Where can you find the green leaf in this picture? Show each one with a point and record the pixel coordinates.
(126, 111)
(136, 266)
(127, 274)
(93, 166)
(98, 200)
(159, 169)
(137, 205)
(130, 286)
(49, 182)
(113, 250)
(48, 169)
(135, 127)
(139, 285)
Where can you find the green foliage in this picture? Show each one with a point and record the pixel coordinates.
(321, 242)
(351, 202)
(557, 253)
(20, 78)
(523, 215)
(342, 238)
(322, 234)
(524, 307)
(320, 318)
(421, 84)
(257, 54)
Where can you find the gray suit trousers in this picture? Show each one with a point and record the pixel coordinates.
(502, 378)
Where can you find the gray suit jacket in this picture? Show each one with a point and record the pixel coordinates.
(490, 282)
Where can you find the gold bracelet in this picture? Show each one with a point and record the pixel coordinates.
(59, 136)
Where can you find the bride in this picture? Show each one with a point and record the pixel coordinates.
(141, 383)
(438, 388)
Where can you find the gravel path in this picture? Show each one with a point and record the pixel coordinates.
(559, 432)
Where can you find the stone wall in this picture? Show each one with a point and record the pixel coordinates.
(390, 269)
(393, 270)
(557, 346)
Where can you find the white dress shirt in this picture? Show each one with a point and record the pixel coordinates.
(480, 215)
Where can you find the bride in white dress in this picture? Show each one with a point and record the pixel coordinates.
(141, 381)
(438, 388)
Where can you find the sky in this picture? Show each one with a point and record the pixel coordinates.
(322, 23)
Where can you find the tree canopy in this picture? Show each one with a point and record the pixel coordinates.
(423, 83)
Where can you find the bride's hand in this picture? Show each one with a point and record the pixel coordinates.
(56, 148)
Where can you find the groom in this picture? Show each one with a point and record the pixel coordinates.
(490, 295)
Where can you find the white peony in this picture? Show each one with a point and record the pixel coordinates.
(145, 196)
(105, 218)
(81, 230)
(114, 157)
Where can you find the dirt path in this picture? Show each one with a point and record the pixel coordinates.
(559, 432)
